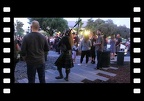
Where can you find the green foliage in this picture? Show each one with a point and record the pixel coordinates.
(124, 31)
(51, 24)
(18, 27)
(79, 26)
(90, 25)
(44, 32)
(107, 27)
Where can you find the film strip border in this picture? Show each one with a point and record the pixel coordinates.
(6, 49)
(136, 50)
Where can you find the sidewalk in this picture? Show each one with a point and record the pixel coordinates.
(78, 73)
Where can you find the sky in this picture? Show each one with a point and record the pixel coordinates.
(117, 21)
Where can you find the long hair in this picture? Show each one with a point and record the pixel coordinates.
(71, 39)
(86, 38)
(70, 36)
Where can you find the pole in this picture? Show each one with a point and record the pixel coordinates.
(78, 27)
(73, 26)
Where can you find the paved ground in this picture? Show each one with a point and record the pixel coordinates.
(78, 73)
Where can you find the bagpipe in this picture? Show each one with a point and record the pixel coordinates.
(69, 31)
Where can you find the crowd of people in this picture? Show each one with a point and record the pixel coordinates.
(33, 49)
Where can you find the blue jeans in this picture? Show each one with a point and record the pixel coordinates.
(31, 72)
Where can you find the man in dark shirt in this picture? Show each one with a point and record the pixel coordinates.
(118, 42)
(33, 50)
(99, 49)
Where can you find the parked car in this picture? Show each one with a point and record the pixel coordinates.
(122, 48)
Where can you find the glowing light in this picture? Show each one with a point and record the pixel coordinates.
(86, 32)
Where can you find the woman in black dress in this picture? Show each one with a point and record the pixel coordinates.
(65, 59)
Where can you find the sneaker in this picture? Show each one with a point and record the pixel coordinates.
(80, 64)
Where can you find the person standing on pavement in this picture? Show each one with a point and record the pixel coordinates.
(93, 52)
(118, 43)
(74, 50)
(65, 59)
(16, 53)
(105, 42)
(34, 46)
(99, 48)
(112, 46)
(46, 53)
(85, 47)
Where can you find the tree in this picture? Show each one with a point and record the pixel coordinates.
(43, 32)
(18, 28)
(90, 25)
(98, 22)
(107, 27)
(109, 21)
(79, 26)
(123, 31)
(51, 24)
(94, 25)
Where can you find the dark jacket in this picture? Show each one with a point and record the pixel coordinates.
(34, 46)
